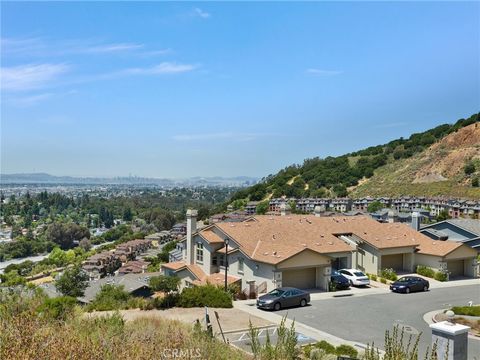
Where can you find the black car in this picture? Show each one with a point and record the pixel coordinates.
(339, 281)
(408, 284)
(283, 297)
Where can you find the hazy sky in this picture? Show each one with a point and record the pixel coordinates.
(186, 89)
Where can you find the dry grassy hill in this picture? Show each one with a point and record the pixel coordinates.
(438, 170)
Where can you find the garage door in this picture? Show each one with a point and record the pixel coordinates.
(455, 267)
(302, 279)
(394, 262)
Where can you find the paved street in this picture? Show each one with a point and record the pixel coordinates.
(365, 318)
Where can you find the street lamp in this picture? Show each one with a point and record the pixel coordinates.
(226, 262)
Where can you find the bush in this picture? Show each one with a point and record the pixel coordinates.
(110, 297)
(425, 271)
(383, 280)
(441, 276)
(346, 350)
(168, 301)
(389, 274)
(467, 310)
(326, 346)
(59, 308)
(207, 295)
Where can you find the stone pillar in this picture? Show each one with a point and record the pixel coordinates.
(453, 336)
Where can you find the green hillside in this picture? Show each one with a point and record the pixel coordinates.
(371, 171)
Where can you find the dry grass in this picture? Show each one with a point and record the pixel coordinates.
(24, 334)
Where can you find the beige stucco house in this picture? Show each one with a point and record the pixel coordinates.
(265, 252)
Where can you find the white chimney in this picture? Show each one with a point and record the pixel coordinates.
(416, 220)
(191, 228)
(391, 216)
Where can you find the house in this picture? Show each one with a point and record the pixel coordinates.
(99, 265)
(265, 252)
(133, 267)
(130, 249)
(251, 207)
(466, 231)
(161, 237)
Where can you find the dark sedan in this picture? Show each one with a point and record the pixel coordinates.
(339, 281)
(408, 284)
(283, 297)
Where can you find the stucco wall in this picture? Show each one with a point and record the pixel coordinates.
(367, 259)
(430, 261)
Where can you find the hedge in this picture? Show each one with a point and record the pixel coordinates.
(207, 295)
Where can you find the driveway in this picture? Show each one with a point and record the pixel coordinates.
(364, 319)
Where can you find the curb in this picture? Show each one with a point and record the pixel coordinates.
(429, 318)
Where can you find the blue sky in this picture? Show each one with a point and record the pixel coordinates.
(206, 89)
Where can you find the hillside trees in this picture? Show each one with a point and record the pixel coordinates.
(73, 282)
(65, 234)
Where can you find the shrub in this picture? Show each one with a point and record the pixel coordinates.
(164, 283)
(59, 308)
(383, 280)
(168, 301)
(110, 297)
(326, 346)
(373, 277)
(441, 276)
(346, 350)
(389, 274)
(207, 295)
(425, 271)
(467, 310)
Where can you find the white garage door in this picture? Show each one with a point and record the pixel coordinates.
(302, 279)
(394, 262)
(455, 267)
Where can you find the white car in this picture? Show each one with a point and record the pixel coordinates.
(355, 277)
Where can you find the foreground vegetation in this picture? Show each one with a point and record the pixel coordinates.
(27, 328)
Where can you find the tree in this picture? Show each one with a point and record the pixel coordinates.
(58, 257)
(469, 168)
(262, 207)
(164, 283)
(65, 234)
(340, 190)
(443, 215)
(127, 214)
(475, 182)
(85, 244)
(374, 206)
(73, 282)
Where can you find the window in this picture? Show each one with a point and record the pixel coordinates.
(240, 265)
(214, 260)
(199, 252)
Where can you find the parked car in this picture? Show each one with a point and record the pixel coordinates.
(339, 281)
(283, 297)
(355, 277)
(407, 284)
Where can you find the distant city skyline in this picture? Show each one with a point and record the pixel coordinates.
(178, 90)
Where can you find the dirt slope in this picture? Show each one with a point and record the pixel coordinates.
(436, 171)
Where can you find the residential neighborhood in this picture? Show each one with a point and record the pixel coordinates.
(240, 180)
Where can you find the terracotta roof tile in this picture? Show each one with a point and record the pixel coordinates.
(211, 237)
(273, 239)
